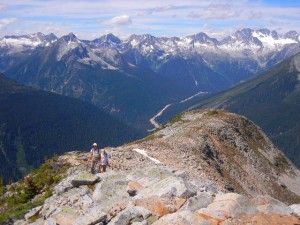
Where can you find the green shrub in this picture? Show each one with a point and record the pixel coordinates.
(213, 113)
(33, 190)
(176, 119)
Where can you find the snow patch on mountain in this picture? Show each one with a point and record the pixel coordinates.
(19, 42)
(145, 153)
(15, 44)
(134, 42)
(109, 50)
(93, 59)
(270, 41)
(64, 48)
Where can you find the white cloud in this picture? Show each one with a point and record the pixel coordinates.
(157, 9)
(160, 18)
(6, 22)
(2, 6)
(118, 21)
(215, 11)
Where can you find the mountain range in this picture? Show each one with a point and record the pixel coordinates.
(133, 79)
(202, 167)
(36, 124)
(146, 78)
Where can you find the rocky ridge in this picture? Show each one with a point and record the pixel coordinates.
(204, 167)
(153, 195)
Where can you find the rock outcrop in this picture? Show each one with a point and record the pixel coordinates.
(206, 167)
(164, 198)
(222, 148)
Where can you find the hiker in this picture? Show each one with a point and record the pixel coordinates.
(95, 156)
(104, 161)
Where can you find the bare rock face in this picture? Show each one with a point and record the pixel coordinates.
(208, 167)
(223, 149)
(163, 197)
(202, 200)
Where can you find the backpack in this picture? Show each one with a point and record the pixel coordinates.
(96, 153)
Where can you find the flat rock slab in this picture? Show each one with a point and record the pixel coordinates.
(269, 205)
(232, 205)
(183, 218)
(130, 215)
(265, 219)
(228, 205)
(67, 216)
(160, 206)
(94, 216)
(170, 186)
(84, 178)
(111, 191)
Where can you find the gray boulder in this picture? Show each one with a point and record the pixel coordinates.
(76, 198)
(165, 196)
(193, 204)
(65, 215)
(33, 212)
(63, 186)
(269, 205)
(296, 209)
(170, 186)
(140, 223)
(228, 205)
(93, 216)
(130, 215)
(182, 218)
(84, 178)
(50, 221)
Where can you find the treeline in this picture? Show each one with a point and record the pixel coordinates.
(36, 124)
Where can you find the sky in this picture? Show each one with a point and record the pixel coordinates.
(89, 19)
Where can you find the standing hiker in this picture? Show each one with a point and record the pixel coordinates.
(104, 161)
(95, 156)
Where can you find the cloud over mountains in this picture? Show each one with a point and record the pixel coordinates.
(161, 18)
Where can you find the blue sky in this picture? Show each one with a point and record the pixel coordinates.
(89, 19)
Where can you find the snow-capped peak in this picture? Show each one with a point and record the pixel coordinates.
(66, 43)
(257, 40)
(292, 35)
(69, 38)
(271, 39)
(31, 40)
(108, 40)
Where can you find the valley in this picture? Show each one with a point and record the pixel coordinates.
(135, 78)
(126, 112)
(36, 125)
